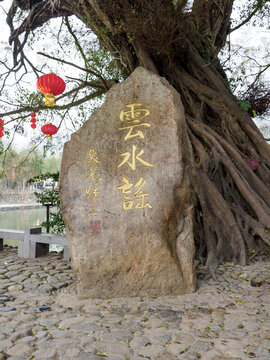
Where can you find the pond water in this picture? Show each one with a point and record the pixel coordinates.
(21, 219)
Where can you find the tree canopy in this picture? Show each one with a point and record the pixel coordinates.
(99, 66)
(23, 166)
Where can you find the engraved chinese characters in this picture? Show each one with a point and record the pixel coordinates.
(132, 118)
(132, 123)
(133, 192)
(93, 190)
(123, 194)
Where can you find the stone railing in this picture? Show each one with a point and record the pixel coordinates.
(17, 196)
(32, 242)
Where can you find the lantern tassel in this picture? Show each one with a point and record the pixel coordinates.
(49, 99)
(49, 137)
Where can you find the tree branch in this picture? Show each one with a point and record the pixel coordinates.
(212, 20)
(101, 14)
(77, 43)
(260, 73)
(102, 80)
(62, 107)
(29, 152)
(250, 16)
(180, 5)
(92, 84)
(38, 16)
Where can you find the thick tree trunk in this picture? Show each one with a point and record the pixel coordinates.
(232, 201)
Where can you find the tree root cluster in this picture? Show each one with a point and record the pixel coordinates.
(233, 201)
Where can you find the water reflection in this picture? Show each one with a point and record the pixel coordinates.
(20, 220)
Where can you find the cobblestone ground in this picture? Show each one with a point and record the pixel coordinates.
(42, 318)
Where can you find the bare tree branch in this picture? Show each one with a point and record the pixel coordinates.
(38, 16)
(92, 84)
(249, 17)
(260, 73)
(62, 107)
(77, 43)
(30, 151)
(102, 80)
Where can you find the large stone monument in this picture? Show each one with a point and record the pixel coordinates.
(123, 194)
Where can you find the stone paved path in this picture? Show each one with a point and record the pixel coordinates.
(41, 317)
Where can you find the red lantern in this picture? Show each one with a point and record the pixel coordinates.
(1, 127)
(33, 120)
(50, 85)
(49, 130)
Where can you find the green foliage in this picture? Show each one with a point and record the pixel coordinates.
(56, 222)
(19, 166)
(43, 176)
(244, 104)
(16, 166)
(256, 11)
(48, 197)
(51, 196)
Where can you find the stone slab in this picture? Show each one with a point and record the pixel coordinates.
(124, 194)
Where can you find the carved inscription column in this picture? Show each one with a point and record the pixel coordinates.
(93, 190)
(132, 124)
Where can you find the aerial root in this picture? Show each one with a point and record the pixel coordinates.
(232, 213)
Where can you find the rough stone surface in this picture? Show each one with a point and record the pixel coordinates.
(20, 350)
(124, 194)
(223, 320)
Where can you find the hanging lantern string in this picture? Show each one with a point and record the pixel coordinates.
(1, 127)
(33, 120)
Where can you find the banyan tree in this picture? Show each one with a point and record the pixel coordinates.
(230, 198)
